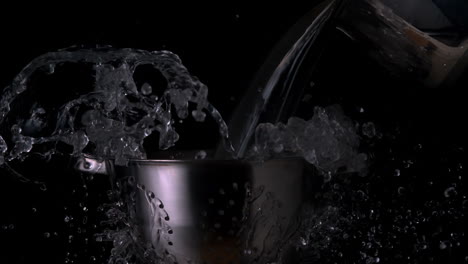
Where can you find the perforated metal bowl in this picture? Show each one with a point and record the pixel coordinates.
(214, 211)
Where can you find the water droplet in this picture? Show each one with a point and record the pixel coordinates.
(221, 191)
(200, 155)
(50, 68)
(67, 219)
(235, 186)
(131, 180)
(450, 192)
(11, 226)
(43, 187)
(34, 210)
(146, 89)
(396, 173)
(211, 201)
(46, 234)
(85, 209)
(442, 245)
(231, 202)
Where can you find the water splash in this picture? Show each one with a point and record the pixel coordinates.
(113, 120)
(329, 140)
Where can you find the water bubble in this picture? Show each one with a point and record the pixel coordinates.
(67, 219)
(450, 192)
(401, 190)
(11, 226)
(146, 89)
(211, 201)
(396, 172)
(43, 187)
(34, 210)
(46, 234)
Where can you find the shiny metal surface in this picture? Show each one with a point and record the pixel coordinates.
(218, 211)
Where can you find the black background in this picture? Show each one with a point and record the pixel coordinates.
(224, 46)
